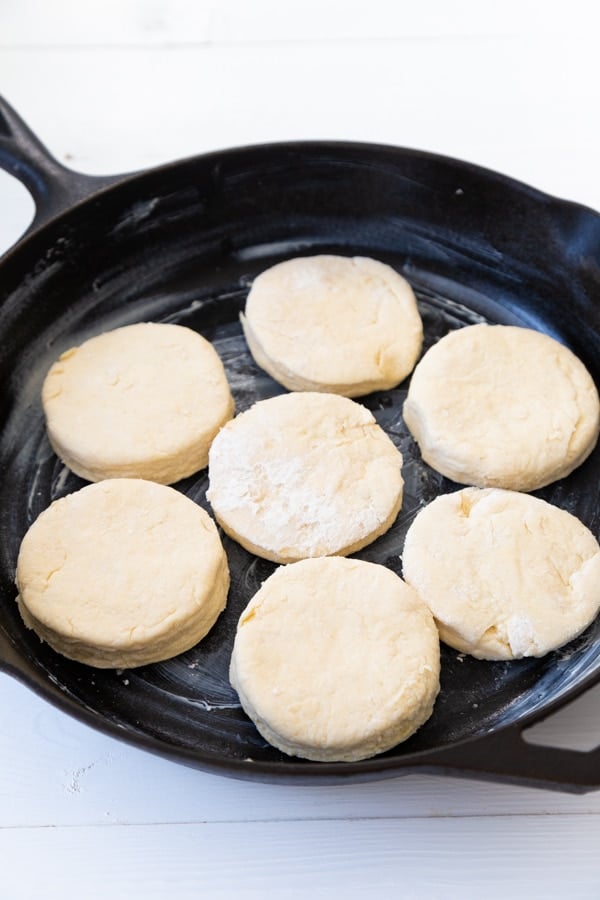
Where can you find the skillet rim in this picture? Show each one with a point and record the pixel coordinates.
(86, 188)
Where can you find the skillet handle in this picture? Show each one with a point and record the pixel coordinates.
(53, 186)
(506, 756)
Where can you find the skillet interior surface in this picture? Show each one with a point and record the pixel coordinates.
(182, 244)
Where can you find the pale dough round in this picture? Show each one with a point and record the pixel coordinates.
(122, 573)
(335, 324)
(501, 406)
(302, 475)
(506, 575)
(142, 401)
(336, 659)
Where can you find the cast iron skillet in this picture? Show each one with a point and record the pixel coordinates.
(181, 243)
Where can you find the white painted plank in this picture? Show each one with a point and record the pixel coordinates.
(129, 23)
(354, 20)
(437, 859)
(56, 771)
(139, 23)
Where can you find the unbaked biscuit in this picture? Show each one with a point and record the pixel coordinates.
(501, 406)
(335, 324)
(506, 575)
(302, 475)
(122, 573)
(336, 659)
(142, 401)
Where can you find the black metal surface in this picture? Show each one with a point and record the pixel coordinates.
(182, 244)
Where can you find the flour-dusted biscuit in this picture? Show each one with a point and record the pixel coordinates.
(336, 659)
(501, 406)
(122, 573)
(335, 324)
(506, 575)
(142, 401)
(302, 475)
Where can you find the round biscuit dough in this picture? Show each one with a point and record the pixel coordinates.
(303, 475)
(502, 406)
(335, 324)
(336, 660)
(142, 401)
(506, 575)
(122, 573)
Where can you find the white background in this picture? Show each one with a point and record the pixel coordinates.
(117, 85)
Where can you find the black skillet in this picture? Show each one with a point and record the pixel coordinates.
(181, 243)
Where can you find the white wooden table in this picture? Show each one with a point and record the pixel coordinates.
(117, 85)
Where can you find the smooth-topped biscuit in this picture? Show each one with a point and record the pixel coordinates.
(501, 406)
(506, 575)
(122, 573)
(335, 324)
(336, 659)
(142, 401)
(303, 475)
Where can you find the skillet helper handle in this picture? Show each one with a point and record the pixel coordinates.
(53, 186)
(507, 756)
